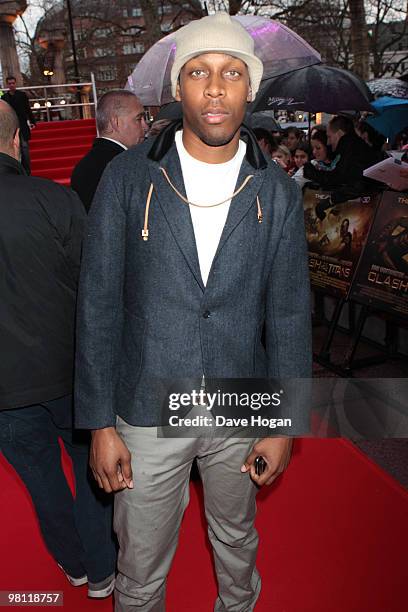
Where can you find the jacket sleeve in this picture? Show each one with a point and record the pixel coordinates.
(100, 309)
(75, 231)
(288, 314)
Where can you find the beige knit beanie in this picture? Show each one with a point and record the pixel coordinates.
(216, 33)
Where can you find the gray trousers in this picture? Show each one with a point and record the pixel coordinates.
(147, 518)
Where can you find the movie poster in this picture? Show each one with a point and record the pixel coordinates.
(381, 279)
(335, 235)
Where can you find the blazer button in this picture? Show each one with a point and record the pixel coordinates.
(206, 314)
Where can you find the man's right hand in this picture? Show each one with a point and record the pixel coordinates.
(110, 460)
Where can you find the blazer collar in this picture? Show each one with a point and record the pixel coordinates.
(108, 143)
(177, 213)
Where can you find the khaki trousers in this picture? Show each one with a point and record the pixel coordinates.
(147, 518)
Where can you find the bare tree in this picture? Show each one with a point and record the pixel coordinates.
(388, 36)
(359, 38)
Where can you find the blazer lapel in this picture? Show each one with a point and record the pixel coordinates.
(176, 212)
(242, 202)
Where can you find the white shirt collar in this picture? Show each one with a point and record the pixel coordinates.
(115, 141)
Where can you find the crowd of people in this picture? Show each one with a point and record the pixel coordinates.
(333, 159)
(192, 263)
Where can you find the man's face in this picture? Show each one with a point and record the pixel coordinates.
(333, 137)
(131, 125)
(292, 141)
(11, 84)
(214, 89)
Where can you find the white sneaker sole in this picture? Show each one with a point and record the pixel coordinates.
(75, 582)
(102, 592)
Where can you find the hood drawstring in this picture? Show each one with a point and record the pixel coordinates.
(145, 230)
(260, 214)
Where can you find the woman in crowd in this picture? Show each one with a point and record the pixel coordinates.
(302, 154)
(282, 156)
(320, 149)
(321, 156)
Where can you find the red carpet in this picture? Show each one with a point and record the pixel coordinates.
(334, 538)
(57, 146)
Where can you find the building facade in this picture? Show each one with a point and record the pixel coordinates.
(110, 38)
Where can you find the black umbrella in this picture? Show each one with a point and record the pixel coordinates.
(314, 89)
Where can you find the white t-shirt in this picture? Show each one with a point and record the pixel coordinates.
(208, 184)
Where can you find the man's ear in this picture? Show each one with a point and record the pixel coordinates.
(178, 91)
(16, 143)
(249, 96)
(114, 123)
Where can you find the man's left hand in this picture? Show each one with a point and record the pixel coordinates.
(276, 452)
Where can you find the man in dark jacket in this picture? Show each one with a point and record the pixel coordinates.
(18, 99)
(351, 157)
(120, 122)
(41, 230)
(195, 244)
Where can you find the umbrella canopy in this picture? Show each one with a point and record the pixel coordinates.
(314, 89)
(279, 48)
(388, 87)
(392, 116)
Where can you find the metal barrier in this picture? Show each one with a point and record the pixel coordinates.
(53, 99)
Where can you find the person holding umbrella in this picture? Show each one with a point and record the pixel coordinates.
(195, 245)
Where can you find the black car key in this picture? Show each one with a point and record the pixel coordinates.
(260, 465)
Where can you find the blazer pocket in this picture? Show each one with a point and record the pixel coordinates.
(131, 359)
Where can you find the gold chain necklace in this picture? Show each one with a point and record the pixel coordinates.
(180, 195)
(145, 230)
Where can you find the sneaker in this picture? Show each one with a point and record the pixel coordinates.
(76, 582)
(104, 588)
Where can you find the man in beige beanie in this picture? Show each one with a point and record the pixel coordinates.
(196, 244)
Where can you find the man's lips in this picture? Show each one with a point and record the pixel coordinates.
(214, 116)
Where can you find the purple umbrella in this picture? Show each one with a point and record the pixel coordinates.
(280, 49)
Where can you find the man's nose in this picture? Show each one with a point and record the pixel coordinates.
(215, 86)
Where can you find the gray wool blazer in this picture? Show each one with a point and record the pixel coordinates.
(144, 315)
